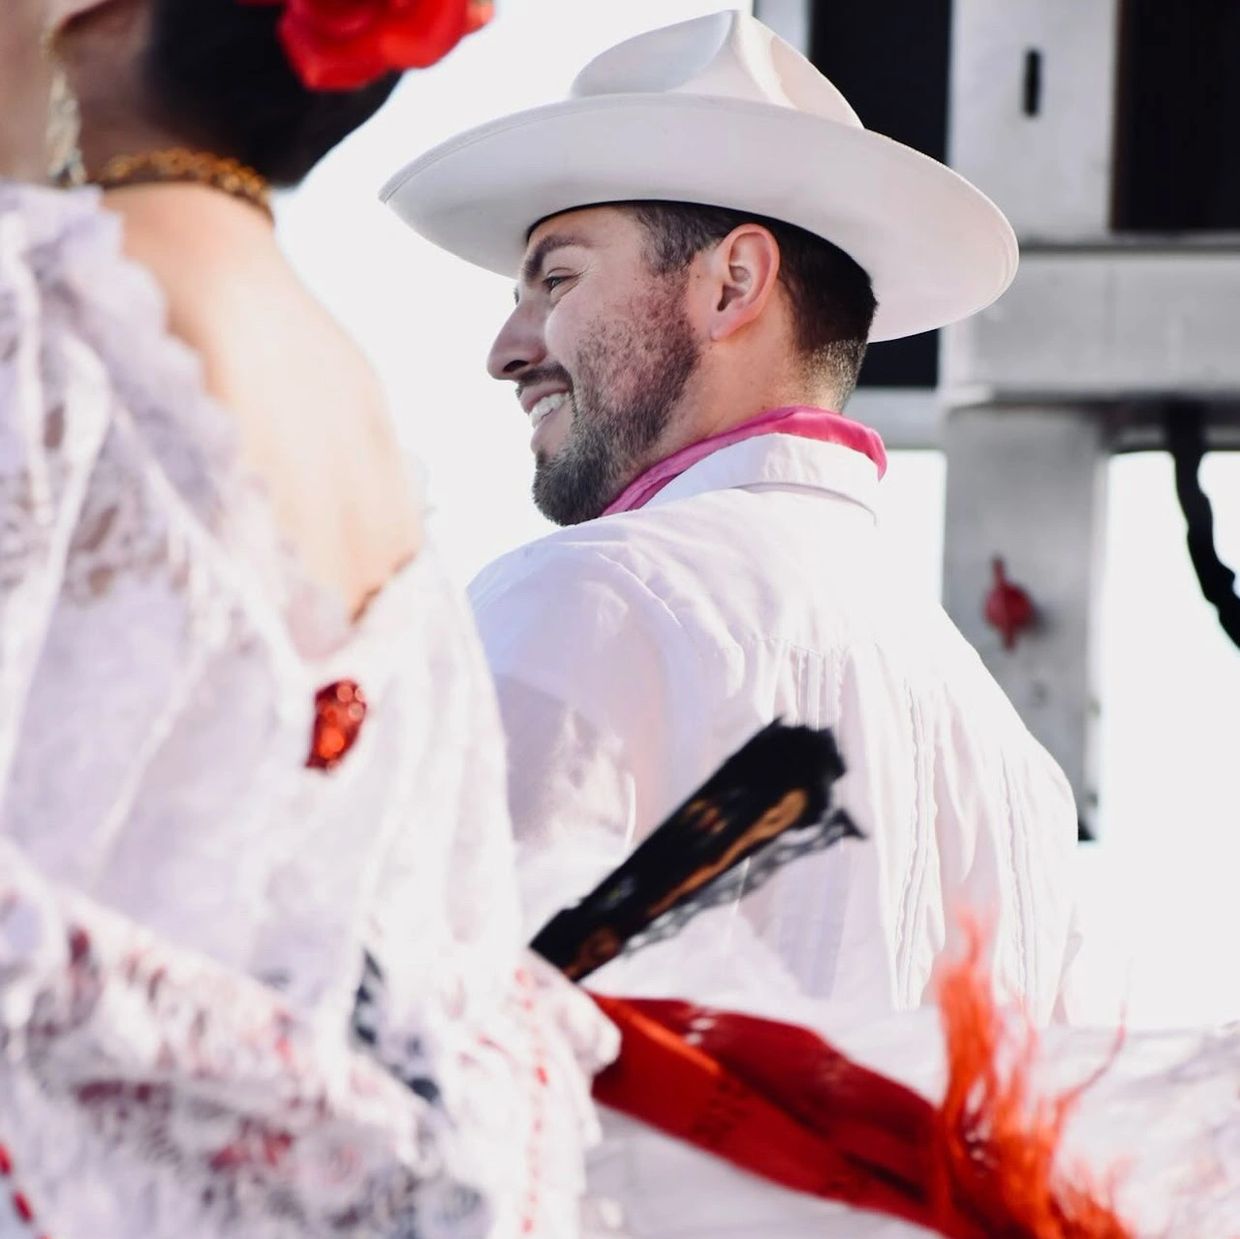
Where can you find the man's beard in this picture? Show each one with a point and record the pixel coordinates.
(629, 377)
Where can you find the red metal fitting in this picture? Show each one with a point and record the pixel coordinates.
(1008, 608)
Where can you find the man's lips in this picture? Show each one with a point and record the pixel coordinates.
(535, 392)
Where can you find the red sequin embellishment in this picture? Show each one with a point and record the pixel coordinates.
(338, 713)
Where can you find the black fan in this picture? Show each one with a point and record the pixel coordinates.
(769, 803)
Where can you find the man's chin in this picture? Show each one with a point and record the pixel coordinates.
(554, 508)
(568, 496)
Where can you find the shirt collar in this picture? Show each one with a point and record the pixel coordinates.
(802, 421)
(779, 460)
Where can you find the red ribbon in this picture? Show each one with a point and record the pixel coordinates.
(774, 1099)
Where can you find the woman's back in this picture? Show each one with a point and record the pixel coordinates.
(309, 410)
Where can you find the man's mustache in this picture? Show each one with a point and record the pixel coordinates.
(543, 374)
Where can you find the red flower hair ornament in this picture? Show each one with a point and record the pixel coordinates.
(346, 44)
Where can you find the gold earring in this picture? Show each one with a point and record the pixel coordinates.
(64, 124)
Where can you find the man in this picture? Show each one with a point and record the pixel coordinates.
(721, 564)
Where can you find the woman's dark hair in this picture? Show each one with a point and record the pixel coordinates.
(215, 72)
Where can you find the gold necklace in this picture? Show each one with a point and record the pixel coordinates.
(179, 165)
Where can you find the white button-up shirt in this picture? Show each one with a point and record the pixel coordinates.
(635, 652)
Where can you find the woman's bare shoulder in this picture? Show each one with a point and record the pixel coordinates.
(311, 411)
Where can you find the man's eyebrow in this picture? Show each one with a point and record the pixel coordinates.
(538, 255)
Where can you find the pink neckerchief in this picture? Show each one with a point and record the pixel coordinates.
(802, 421)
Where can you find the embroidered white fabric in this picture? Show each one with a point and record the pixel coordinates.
(185, 906)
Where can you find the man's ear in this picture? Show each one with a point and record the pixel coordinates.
(742, 271)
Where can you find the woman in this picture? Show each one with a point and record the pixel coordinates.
(258, 965)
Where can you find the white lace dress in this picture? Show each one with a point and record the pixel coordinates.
(185, 902)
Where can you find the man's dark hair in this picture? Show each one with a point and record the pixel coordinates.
(215, 71)
(832, 301)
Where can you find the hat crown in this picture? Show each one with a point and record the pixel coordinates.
(727, 54)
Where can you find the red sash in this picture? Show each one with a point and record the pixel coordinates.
(779, 1101)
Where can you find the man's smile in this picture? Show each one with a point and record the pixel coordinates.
(545, 406)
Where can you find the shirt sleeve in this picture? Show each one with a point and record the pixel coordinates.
(615, 709)
(602, 696)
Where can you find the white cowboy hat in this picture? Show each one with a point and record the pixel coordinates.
(719, 111)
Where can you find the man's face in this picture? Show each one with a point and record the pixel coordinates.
(601, 350)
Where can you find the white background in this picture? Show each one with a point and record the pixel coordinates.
(1159, 893)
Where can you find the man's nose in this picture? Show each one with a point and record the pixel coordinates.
(518, 346)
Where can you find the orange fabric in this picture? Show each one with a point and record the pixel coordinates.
(996, 1143)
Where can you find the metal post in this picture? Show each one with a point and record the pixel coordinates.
(1026, 483)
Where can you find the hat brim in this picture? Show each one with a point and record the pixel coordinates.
(935, 247)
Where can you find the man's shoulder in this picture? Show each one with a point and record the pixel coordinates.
(579, 615)
(619, 550)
